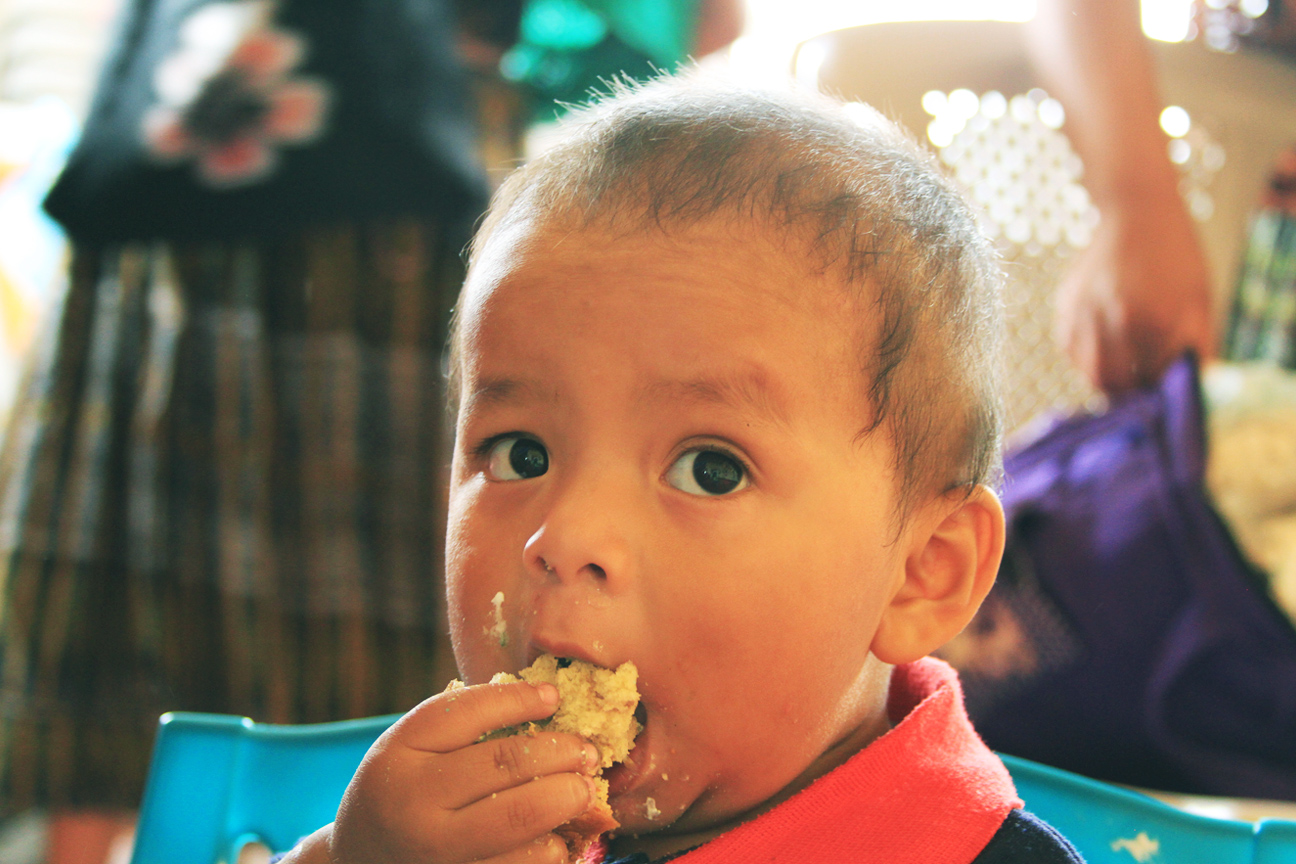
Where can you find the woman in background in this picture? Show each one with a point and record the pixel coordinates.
(221, 487)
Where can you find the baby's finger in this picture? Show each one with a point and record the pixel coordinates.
(475, 772)
(548, 849)
(517, 816)
(458, 718)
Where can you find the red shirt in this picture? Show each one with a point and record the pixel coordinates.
(927, 792)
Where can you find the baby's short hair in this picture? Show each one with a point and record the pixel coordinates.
(860, 198)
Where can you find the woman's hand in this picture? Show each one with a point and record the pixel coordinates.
(1137, 298)
(1140, 295)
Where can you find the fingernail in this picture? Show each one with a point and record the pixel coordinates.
(590, 756)
(548, 693)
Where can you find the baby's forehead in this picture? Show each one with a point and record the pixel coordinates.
(782, 264)
(741, 276)
(719, 294)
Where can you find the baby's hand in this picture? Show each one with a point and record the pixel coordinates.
(428, 791)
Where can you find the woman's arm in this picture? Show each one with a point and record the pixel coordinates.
(1140, 295)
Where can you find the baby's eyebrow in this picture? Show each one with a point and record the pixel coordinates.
(497, 391)
(751, 391)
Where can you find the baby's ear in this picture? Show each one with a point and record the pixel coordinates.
(954, 546)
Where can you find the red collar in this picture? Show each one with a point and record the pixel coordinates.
(927, 792)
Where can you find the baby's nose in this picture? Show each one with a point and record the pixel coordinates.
(584, 537)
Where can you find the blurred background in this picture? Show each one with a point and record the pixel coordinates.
(959, 74)
(1228, 115)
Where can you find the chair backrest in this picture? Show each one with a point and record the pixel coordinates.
(218, 782)
(1112, 825)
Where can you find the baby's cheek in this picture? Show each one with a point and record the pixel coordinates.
(716, 696)
(481, 636)
(479, 614)
(755, 698)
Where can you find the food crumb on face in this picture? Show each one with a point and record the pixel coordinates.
(499, 630)
(664, 777)
(650, 809)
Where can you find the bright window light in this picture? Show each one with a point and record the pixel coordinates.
(1175, 121)
(776, 27)
(1167, 20)
(805, 18)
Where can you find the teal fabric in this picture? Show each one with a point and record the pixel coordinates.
(569, 47)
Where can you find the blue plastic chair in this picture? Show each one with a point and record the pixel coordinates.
(1111, 825)
(218, 782)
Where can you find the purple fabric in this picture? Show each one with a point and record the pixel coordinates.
(1144, 649)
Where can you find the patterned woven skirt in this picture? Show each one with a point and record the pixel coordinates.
(222, 489)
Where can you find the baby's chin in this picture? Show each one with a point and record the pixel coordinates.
(657, 791)
(644, 797)
(643, 813)
(664, 821)
(666, 805)
(647, 812)
(692, 809)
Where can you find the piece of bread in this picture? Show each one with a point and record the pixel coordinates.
(598, 705)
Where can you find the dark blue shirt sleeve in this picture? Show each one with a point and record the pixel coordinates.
(1024, 838)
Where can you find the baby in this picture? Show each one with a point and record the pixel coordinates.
(726, 368)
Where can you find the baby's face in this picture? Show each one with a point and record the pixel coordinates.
(660, 459)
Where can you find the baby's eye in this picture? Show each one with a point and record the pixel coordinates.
(516, 458)
(707, 472)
